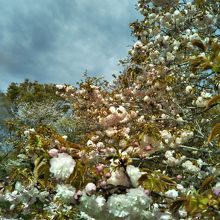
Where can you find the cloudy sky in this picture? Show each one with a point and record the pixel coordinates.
(57, 40)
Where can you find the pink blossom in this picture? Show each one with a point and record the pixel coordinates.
(78, 195)
(90, 188)
(147, 192)
(63, 149)
(111, 132)
(103, 183)
(100, 145)
(107, 175)
(100, 167)
(148, 148)
(118, 177)
(179, 177)
(216, 189)
(53, 152)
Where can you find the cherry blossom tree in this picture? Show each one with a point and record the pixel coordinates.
(149, 149)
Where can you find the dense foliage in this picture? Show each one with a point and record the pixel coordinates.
(143, 147)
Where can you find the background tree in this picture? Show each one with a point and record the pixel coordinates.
(5, 114)
(33, 103)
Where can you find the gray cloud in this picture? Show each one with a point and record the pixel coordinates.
(57, 40)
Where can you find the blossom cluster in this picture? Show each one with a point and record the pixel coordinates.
(132, 205)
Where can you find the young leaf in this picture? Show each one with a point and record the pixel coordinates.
(206, 183)
(215, 132)
(177, 204)
(199, 44)
(213, 101)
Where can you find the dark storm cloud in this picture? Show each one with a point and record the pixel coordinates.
(57, 40)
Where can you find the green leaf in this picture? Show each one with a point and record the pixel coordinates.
(38, 141)
(156, 182)
(199, 2)
(196, 204)
(41, 170)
